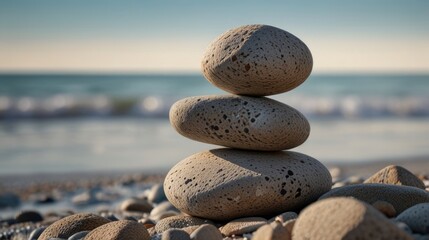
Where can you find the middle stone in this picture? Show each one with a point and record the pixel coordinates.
(253, 123)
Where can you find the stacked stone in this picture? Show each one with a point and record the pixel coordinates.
(253, 176)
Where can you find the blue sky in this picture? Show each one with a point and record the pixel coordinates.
(159, 36)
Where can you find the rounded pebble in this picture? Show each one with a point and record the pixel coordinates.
(274, 231)
(242, 225)
(79, 235)
(35, 234)
(257, 60)
(28, 216)
(401, 197)
(70, 225)
(206, 232)
(344, 218)
(136, 205)
(416, 217)
(225, 184)
(284, 217)
(386, 208)
(240, 122)
(180, 221)
(156, 194)
(118, 230)
(175, 234)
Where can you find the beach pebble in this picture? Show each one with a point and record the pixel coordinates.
(225, 184)
(403, 226)
(273, 231)
(79, 235)
(396, 175)
(206, 232)
(401, 197)
(416, 217)
(242, 225)
(136, 205)
(156, 194)
(289, 224)
(180, 221)
(28, 216)
(161, 209)
(344, 218)
(240, 122)
(384, 207)
(70, 225)
(118, 230)
(35, 234)
(257, 60)
(84, 198)
(175, 234)
(9, 200)
(284, 217)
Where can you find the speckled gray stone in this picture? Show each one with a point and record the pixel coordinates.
(401, 197)
(257, 60)
(417, 218)
(118, 230)
(344, 218)
(66, 227)
(224, 184)
(240, 122)
(242, 225)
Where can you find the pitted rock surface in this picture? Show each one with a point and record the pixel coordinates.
(118, 230)
(396, 175)
(257, 60)
(240, 122)
(417, 218)
(344, 218)
(401, 197)
(224, 184)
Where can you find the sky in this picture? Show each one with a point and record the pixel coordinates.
(383, 36)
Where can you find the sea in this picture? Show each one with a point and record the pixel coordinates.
(54, 123)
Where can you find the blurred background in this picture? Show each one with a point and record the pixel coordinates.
(87, 85)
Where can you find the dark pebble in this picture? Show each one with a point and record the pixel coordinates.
(35, 234)
(28, 216)
(79, 235)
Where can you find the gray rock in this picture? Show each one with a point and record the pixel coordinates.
(416, 217)
(79, 235)
(206, 232)
(225, 184)
(156, 194)
(35, 234)
(175, 234)
(401, 197)
(240, 122)
(257, 60)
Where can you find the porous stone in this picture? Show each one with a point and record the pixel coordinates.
(273, 231)
(70, 225)
(344, 218)
(396, 175)
(257, 60)
(180, 221)
(118, 230)
(206, 232)
(175, 234)
(401, 197)
(224, 184)
(242, 225)
(136, 205)
(240, 122)
(416, 217)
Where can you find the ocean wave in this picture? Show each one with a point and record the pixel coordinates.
(65, 106)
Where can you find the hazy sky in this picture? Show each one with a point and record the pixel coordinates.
(158, 36)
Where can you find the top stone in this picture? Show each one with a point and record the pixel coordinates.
(257, 60)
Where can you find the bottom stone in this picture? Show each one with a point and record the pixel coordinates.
(224, 184)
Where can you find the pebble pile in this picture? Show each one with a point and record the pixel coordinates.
(253, 176)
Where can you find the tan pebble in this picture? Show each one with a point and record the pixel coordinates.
(416, 217)
(162, 210)
(286, 216)
(335, 172)
(179, 222)
(242, 225)
(191, 229)
(72, 224)
(401, 197)
(396, 175)
(344, 218)
(426, 183)
(118, 230)
(273, 231)
(386, 208)
(289, 225)
(206, 232)
(240, 122)
(136, 205)
(225, 184)
(257, 60)
(175, 234)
